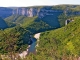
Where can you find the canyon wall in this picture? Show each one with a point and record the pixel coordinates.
(30, 12)
(35, 11)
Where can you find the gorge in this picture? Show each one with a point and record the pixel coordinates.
(57, 41)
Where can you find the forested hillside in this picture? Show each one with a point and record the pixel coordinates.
(62, 43)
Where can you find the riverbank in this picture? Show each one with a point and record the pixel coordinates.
(37, 36)
(31, 48)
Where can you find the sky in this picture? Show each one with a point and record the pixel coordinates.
(25, 3)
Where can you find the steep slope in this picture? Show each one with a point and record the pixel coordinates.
(17, 38)
(14, 20)
(3, 24)
(62, 43)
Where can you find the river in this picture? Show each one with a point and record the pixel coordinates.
(33, 45)
(31, 48)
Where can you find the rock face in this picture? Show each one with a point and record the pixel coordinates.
(35, 11)
(68, 21)
(29, 12)
(3, 25)
(45, 12)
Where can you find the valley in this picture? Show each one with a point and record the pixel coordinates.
(55, 40)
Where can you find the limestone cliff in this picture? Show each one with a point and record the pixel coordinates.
(42, 12)
(30, 12)
(39, 11)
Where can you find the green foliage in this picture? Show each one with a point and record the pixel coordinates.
(16, 38)
(38, 26)
(61, 43)
(12, 39)
(14, 20)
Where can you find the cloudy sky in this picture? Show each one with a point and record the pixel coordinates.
(13, 3)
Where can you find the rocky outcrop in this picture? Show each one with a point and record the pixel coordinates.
(29, 12)
(68, 21)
